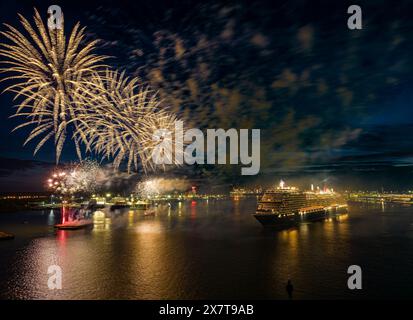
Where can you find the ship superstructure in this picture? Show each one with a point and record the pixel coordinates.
(284, 205)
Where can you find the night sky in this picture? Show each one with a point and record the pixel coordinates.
(333, 104)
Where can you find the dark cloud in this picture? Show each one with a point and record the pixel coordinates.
(23, 175)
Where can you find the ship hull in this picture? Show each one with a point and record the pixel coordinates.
(274, 221)
(315, 216)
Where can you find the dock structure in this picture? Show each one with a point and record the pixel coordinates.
(374, 197)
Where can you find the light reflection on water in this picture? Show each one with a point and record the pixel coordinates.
(211, 249)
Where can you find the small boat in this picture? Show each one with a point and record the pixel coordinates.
(149, 212)
(74, 225)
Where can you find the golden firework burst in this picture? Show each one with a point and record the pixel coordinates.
(121, 119)
(47, 71)
(66, 90)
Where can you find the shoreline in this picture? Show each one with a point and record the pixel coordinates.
(6, 236)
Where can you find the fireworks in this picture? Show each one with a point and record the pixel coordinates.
(158, 186)
(64, 85)
(121, 119)
(48, 71)
(80, 178)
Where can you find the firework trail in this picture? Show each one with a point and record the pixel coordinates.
(48, 70)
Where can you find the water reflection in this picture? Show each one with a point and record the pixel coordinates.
(51, 217)
(211, 249)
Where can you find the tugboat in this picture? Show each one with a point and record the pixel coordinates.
(287, 206)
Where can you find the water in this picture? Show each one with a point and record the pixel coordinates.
(213, 249)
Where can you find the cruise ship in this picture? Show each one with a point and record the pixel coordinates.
(286, 206)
